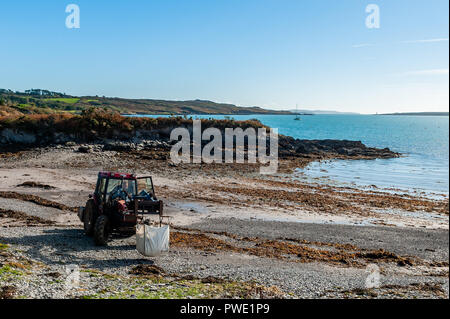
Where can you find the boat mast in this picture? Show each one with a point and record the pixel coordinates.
(296, 112)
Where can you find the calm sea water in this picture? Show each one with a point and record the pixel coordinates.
(424, 141)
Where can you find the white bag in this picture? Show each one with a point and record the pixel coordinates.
(152, 241)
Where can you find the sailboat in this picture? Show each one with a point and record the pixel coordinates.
(297, 117)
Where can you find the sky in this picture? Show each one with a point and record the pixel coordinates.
(318, 54)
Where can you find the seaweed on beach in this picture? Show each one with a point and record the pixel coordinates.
(328, 200)
(7, 292)
(145, 270)
(303, 252)
(31, 184)
(27, 219)
(37, 200)
(418, 290)
(386, 256)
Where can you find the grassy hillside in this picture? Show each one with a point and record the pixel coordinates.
(47, 102)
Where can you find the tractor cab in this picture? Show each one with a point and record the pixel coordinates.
(111, 186)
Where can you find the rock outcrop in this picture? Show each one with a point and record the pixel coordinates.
(296, 147)
(152, 140)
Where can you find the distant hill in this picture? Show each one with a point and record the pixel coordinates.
(44, 101)
(419, 114)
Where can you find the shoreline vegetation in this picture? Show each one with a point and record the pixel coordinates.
(112, 131)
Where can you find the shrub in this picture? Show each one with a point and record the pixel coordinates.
(98, 122)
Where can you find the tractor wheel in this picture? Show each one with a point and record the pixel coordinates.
(102, 231)
(89, 218)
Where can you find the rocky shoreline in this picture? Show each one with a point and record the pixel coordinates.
(106, 131)
(289, 148)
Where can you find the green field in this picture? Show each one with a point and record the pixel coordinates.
(64, 100)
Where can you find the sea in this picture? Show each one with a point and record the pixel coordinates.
(423, 142)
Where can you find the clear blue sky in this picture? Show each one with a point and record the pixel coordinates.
(270, 53)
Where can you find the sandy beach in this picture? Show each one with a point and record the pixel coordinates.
(234, 233)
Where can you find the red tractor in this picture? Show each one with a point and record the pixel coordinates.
(118, 203)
